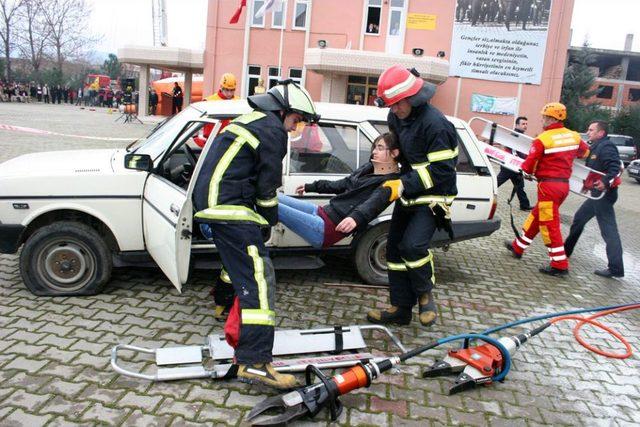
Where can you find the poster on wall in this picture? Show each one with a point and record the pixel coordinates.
(494, 104)
(501, 40)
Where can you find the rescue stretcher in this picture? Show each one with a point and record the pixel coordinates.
(344, 346)
(582, 178)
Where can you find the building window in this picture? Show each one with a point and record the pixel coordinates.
(257, 22)
(634, 95)
(295, 74)
(300, 15)
(274, 77)
(253, 78)
(279, 15)
(374, 8)
(605, 92)
(362, 90)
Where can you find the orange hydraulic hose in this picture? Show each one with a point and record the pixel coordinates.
(582, 320)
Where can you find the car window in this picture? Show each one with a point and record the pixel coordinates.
(622, 141)
(157, 143)
(381, 127)
(464, 164)
(323, 148)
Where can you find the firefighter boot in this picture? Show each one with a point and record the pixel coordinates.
(265, 374)
(397, 315)
(427, 312)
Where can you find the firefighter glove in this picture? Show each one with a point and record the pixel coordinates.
(395, 185)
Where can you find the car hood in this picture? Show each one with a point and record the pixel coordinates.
(53, 163)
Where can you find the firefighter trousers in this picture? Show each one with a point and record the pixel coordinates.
(409, 259)
(545, 219)
(250, 325)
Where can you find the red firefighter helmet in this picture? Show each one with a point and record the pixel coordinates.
(397, 83)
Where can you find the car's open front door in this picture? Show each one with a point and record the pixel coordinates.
(167, 210)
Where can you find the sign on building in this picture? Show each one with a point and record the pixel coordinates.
(502, 40)
(494, 104)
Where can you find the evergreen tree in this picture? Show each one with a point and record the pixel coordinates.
(627, 122)
(577, 87)
(112, 67)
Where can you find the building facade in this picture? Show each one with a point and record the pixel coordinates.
(617, 74)
(338, 48)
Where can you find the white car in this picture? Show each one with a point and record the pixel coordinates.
(79, 213)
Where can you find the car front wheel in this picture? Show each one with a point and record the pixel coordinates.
(65, 258)
(371, 255)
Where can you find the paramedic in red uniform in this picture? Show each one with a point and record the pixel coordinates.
(550, 160)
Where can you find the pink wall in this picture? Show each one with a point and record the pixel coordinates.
(340, 22)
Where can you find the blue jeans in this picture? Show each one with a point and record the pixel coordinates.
(302, 218)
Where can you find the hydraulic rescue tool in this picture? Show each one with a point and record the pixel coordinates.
(479, 365)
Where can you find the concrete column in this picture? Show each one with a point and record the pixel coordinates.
(325, 94)
(143, 92)
(188, 82)
(625, 71)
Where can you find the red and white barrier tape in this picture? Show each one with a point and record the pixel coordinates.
(46, 132)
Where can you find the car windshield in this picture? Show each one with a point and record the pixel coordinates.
(160, 138)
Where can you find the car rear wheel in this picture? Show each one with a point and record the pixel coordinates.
(65, 258)
(371, 255)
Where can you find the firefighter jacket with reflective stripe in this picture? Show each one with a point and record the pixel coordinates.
(552, 153)
(242, 170)
(604, 157)
(360, 195)
(429, 148)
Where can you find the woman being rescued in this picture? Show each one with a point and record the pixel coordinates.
(359, 198)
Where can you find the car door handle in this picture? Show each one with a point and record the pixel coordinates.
(174, 209)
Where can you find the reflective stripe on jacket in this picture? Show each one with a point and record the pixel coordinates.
(429, 148)
(552, 153)
(242, 171)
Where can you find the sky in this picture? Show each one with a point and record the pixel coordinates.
(605, 23)
(122, 22)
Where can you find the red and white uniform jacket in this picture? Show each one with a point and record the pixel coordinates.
(552, 153)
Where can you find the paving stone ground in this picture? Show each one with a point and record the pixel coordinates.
(54, 352)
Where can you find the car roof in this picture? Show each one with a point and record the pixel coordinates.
(327, 110)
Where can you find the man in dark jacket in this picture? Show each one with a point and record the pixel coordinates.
(516, 178)
(235, 193)
(603, 157)
(426, 189)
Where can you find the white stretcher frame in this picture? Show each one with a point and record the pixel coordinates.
(495, 133)
(213, 359)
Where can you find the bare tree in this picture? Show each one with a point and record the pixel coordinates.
(8, 11)
(34, 34)
(67, 22)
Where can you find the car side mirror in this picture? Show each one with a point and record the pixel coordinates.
(139, 162)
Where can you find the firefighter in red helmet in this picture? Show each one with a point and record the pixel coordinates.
(423, 193)
(550, 160)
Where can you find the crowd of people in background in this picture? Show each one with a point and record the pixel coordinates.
(58, 94)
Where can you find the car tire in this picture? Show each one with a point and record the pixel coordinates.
(638, 179)
(65, 258)
(371, 255)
